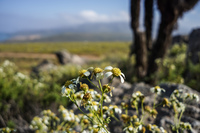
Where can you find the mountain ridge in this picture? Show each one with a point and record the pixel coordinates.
(85, 32)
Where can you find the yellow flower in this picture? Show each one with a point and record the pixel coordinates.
(157, 90)
(83, 73)
(115, 72)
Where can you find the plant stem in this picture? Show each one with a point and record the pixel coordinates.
(93, 84)
(83, 112)
(142, 111)
(154, 103)
(111, 81)
(101, 99)
(180, 116)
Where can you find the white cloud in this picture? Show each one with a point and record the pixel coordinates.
(91, 16)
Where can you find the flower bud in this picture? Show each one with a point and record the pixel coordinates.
(87, 97)
(147, 109)
(85, 121)
(136, 124)
(125, 118)
(84, 87)
(154, 113)
(143, 129)
(106, 88)
(165, 102)
(149, 127)
(124, 105)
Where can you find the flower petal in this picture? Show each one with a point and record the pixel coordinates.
(71, 86)
(63, 89)
(87, 73)
(90, 69)
(108, 68)
(122, 79)
(108, 74)
(77, 80)
(123, 75)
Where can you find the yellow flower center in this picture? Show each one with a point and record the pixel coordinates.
(98, 70)
(81, 73)
(116, 72)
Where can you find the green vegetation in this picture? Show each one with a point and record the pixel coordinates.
(22, 93)
(25, 95)
(91, 48)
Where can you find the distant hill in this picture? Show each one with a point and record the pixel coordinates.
(85, 32)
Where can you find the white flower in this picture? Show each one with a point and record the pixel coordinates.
(106, 98)
(94, 106)
(46, 120)
(140, 127)
(7, 63)
(1, 70)
(195, 96)
(85, 131)
(20, 75)
(162, 130)
(68, 115)
(157, 90)
(180, 107)
(128, 129)
(115, 108)
(115, 72)
(82, 74)
(68, 88)
(93, 93)
(67, 91)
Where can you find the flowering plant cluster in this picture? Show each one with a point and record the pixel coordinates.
(136, 123)
(98, 115)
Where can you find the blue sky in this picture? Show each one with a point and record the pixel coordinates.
(20, 15)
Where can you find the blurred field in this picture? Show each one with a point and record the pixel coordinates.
(92, 48)
(27, 55)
